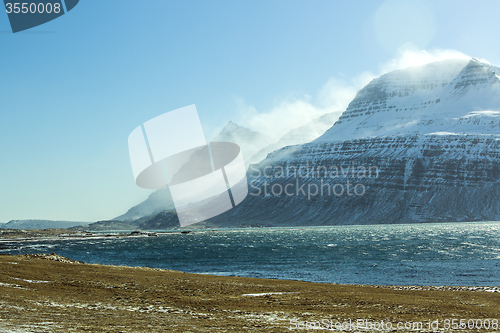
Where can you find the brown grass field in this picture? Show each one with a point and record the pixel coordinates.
(49, 293)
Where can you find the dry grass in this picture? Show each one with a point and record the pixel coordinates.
(48, 293)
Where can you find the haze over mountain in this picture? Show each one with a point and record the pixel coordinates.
(303, 134)
(250, 141)
(415, 145)
(455, 96)
(157, 202)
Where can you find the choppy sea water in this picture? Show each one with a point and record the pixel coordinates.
(420, 254)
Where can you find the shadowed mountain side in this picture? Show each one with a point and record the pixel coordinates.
(157, 202)
(433, 186)
(164, 220)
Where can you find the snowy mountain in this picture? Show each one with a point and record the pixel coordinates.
(299, 135)
(445, 97)
(420, 144)
(249, 141)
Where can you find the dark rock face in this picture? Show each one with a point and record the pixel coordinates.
(392, 180)
(370, 181)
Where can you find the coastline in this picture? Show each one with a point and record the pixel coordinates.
(34, 235)
(44, 293)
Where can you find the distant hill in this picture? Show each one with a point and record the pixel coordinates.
(107, 225)
(39, 224)
(158, 221)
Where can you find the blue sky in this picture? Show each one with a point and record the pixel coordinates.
(73, 89)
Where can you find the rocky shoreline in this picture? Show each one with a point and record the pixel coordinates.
(9, 235)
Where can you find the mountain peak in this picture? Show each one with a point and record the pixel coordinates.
(250, 141)
(450, 95)
(230, 127)
(233, 131)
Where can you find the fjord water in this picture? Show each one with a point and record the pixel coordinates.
(465, 254)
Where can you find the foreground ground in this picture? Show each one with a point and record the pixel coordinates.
(48, 293)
